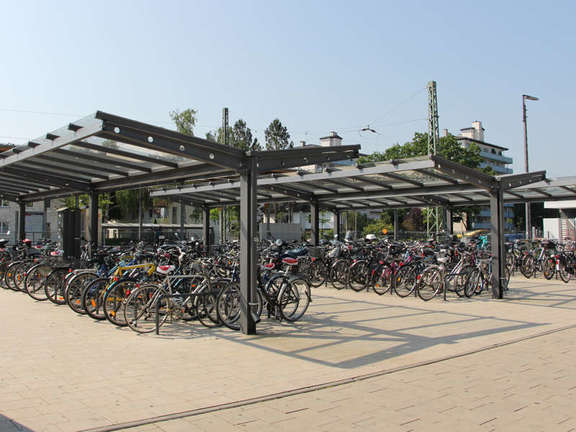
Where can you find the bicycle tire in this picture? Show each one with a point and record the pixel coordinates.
(405, 280)
(35, 280)
(472, 282)
(229, 309)
(74, 288)
(294, 299)
(318, 273)
(54, 286)
(8, 276)
(563, 271)
(114, 301)
(527, 266)
(206, 305)
(141, 309)
(19, 275)
(549, 268)
(339, 274)
(92, 298)
(384, 280)
(430, 283)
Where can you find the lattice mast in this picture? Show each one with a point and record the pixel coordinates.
(433, 217)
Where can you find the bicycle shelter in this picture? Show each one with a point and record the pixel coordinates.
(104, 153)
(416, 182)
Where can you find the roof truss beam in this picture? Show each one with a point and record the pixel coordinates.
(106, 161)
(58, 158)
(163, 140)
(466, 174)
(51, 168)
(294, 193)
(292, 158)
(440, 176)
(118, 152)
(48, 178)
(517, 180)
(403, 179)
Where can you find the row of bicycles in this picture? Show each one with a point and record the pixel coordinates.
(143, 288)
(545, 257)
(422, 269)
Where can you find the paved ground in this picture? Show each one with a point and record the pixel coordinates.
(62, 372)
(526, 386)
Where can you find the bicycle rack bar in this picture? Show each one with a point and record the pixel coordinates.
(157, 317)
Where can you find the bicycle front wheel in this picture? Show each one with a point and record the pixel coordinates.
(229, 309)
(35, 279)
(339, 274)
(430, 284)
(294, 299)
(145, 307)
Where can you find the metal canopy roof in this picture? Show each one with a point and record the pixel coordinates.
(104, 152)
(416, 182)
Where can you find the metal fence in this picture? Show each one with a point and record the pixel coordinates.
(124, 236)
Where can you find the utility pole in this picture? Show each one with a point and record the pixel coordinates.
(433, 217)
(223, 208)
(526, 166)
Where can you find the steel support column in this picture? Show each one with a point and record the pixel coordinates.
(314, 223)
(94, 218)
(337, 225)
(140, 216)
(206, 228)
(45, 232)
(449, 221)
(21, 220)
(497, 242)
(268, 233)
(248, 235)
(528, 212)
(396, 224)
(182, 219)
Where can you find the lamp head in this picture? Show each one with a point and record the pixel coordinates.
(532, 98)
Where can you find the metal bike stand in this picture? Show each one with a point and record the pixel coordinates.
(157, 317)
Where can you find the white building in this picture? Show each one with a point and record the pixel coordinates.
(493, 157)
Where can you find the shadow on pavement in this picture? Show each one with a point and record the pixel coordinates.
(350, 332)
(542, 293)
(9, 425)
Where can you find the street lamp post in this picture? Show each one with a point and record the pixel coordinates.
(526, 165)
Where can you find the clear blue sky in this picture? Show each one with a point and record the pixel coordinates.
(315, 65)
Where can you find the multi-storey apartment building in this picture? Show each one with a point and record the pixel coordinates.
(493, 157)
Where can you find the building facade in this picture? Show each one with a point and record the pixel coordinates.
(492, 156)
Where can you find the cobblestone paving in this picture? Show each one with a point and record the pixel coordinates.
(525, 386)
(64, 372)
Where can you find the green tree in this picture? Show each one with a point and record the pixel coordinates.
(185, 121)
(242, 137)
(448, 148)
(277, 136)
(84, 200)
(239, 136)
(127, 203)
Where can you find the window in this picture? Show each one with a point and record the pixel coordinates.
(29, 204)
(3, 203)
(4, 227)
(160, 212)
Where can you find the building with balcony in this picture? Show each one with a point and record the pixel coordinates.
(493, 157)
